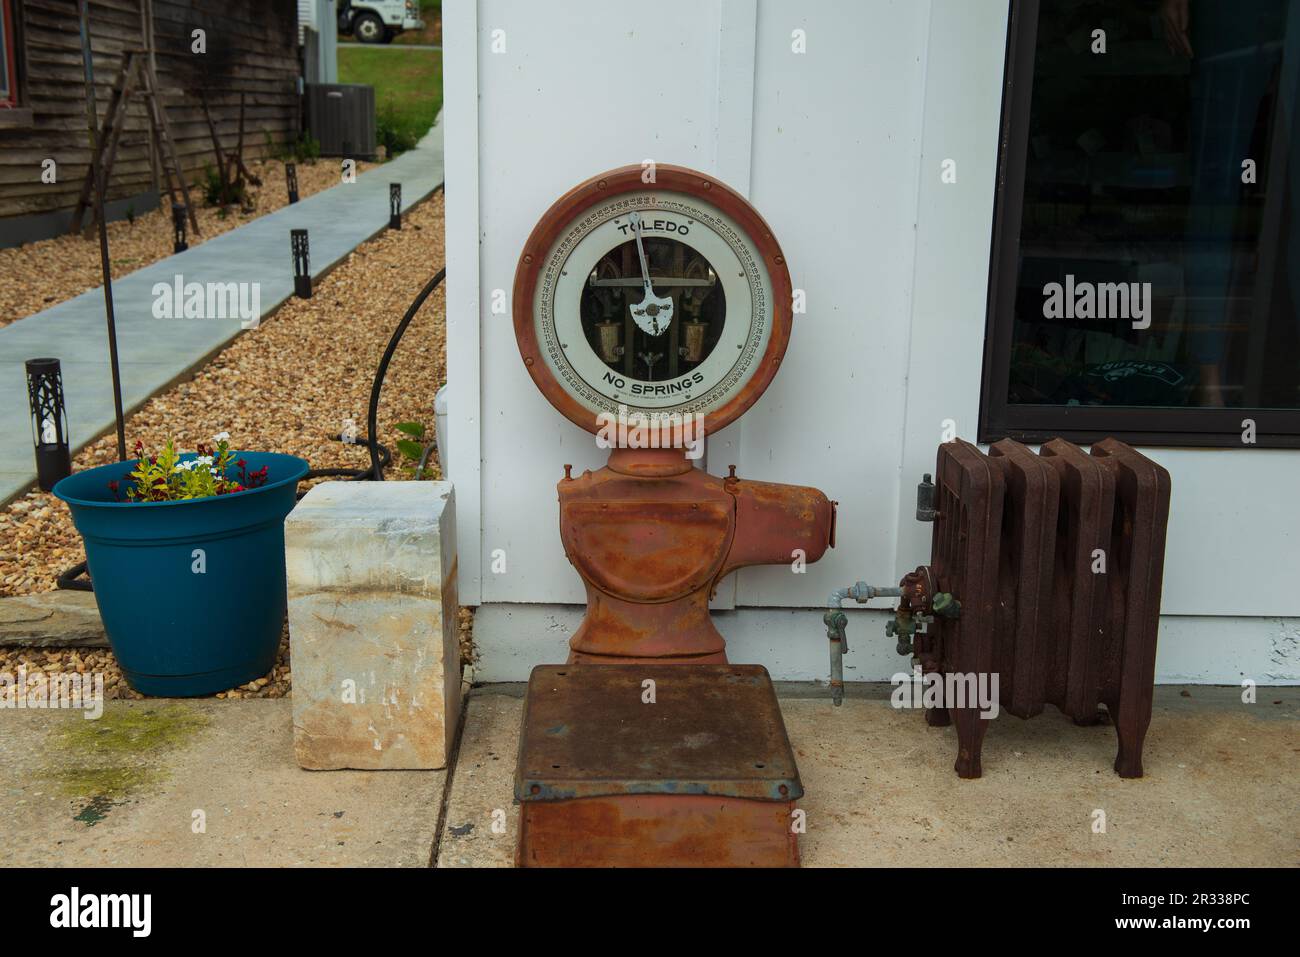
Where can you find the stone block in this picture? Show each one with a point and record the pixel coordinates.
(373, 625)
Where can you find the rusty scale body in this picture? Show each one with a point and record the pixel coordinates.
(669, 296)
(651, 536)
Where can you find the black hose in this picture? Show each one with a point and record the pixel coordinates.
(353, 475)
(380, 457)
(372, 426)
(72, 580)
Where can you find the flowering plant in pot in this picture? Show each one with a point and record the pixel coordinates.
(170, 476)
(186, 555)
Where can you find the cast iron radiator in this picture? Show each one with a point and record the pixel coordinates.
(1055, 560)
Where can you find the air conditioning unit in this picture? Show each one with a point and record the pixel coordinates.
(341, 116)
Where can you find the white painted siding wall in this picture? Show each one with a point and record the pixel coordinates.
(306, 17)
(839, 149)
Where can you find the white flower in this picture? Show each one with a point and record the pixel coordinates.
(181, 467)
(221, 437)
(201, 460)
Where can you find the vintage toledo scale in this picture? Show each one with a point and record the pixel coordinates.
(664, 306)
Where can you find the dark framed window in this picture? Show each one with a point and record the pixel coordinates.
(8, 57)
(1145, 275)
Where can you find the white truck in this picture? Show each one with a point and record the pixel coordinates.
(377, 21)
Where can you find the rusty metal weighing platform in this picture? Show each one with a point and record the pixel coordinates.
(655, 766)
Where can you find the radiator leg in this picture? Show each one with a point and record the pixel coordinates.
(1131, 726)
(970, 740)
(937, 717)
(1097, 717)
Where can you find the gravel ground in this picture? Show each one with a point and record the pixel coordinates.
(286, 387)
(54, 270)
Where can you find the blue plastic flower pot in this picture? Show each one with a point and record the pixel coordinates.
(192, 593)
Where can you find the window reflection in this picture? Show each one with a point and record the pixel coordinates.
(1159, 262)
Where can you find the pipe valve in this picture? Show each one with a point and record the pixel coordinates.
(945, 605)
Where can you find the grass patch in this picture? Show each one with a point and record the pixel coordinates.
(408, 88)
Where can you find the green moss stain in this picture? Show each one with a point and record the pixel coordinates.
(106, 782)
(133, 730)
(99, 763)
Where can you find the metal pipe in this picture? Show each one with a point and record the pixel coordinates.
(424, 459)
(97, 173)
(837, 623)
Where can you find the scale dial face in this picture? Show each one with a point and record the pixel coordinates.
(665, 298)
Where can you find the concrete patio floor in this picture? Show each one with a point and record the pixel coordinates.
(1221, 788)
(122, 791)
(1222, 785)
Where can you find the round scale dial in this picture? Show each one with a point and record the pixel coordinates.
(664, 298)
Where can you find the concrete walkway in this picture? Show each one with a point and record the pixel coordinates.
(154, 353)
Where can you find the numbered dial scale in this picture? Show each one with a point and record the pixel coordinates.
(669, 297)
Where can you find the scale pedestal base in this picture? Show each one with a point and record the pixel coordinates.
(655, 765)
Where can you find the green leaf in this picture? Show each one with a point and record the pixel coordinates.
(412, 450)
(411, 428)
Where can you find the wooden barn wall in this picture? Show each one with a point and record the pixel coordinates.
(251, 48)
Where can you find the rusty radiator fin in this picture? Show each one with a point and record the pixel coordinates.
(1025, 581)
(964, 562)
(1137, 556)
(966, 546)
(1083, 533)
(1056, 560)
